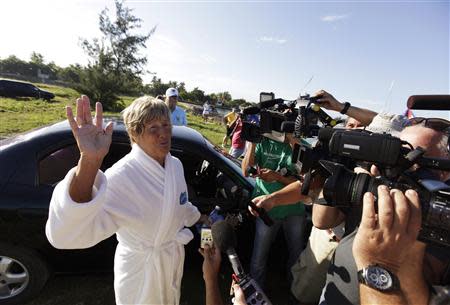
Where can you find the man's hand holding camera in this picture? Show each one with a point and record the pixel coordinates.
(388, 238)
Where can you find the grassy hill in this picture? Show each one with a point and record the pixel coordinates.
(22, 114)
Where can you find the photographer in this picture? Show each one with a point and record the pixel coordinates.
(273, 160)
(342, 282)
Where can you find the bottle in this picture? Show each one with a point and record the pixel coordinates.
(215, 215)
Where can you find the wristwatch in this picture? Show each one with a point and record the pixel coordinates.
(345, 109)
(378, 278)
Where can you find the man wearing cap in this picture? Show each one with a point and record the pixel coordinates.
(177, 116)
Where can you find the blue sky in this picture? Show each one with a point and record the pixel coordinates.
(374, 54)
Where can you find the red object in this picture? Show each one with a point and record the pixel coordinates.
(235, 278)
(236, 141)
(409, 114)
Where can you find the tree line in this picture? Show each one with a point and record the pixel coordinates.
(115, 66)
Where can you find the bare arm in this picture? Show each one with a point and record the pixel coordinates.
(93, 142)
(287, 195)
(325, 217)
(327, 101)
(211, 267)
(249, 159)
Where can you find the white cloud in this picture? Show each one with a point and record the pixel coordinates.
(270, 39)
(333, 18)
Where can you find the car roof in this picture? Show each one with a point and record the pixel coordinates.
(178, 132)
(15, 82)
(22, 151)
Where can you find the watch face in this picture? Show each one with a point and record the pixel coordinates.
(378, 278)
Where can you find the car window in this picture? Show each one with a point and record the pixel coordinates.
(54, 167)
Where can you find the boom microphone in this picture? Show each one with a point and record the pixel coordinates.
(429, 102)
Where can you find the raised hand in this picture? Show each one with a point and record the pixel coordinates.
(328, 101)
(93, 141)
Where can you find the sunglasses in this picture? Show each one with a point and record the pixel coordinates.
(441, 125)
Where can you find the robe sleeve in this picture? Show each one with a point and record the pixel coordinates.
(191, 213)
(73, 225)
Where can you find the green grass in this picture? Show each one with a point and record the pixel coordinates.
(23, 114)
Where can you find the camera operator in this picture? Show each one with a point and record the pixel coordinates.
(342, 287)
(275, 171)
(342, 282)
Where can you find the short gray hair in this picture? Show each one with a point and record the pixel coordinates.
(142, 111)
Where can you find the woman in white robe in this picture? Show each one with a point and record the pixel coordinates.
(142, 198)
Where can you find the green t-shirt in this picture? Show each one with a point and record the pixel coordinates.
(275, 156)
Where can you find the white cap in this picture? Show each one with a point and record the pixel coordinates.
(388, 123)
(171, 92)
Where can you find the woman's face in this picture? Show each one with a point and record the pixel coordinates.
(156, 139)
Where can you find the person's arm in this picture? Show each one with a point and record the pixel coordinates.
(211, 267)
(269, 175)
(388, 238)
(249, 159)
(326, 217)
(93, 142)
(287, 195)
(327, 101)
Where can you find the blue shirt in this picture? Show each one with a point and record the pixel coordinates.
(178, 117)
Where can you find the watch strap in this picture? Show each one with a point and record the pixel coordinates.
(345, 109)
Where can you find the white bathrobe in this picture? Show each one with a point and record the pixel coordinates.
(147, 206)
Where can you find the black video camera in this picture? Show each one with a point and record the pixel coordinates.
(345, 189)
(280, 116)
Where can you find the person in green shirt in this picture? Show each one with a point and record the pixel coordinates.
(275, 170)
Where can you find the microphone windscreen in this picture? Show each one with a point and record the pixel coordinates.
(429, 102)
(223, 235)
(251, 110)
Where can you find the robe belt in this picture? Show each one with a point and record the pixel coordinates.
(182, 237)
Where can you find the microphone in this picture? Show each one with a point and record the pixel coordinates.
(225, 239)
(429, 102)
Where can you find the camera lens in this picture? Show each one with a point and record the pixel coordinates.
(344, 188)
